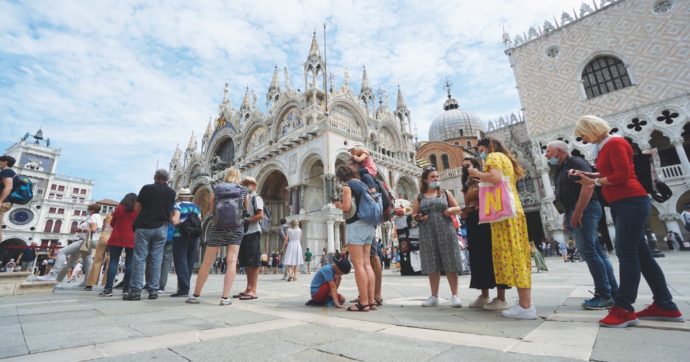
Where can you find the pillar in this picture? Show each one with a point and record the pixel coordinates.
(685, 164)
(331, 236)
(548, 188)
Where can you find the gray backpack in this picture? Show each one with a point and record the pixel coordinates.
(229, 208)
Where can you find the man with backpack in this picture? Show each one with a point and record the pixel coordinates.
(155, 204)
(185, 243)
(250, 248)
(6, 182)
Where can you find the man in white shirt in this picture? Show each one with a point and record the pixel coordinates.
(249, 256)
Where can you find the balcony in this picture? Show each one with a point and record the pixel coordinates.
(671, 173)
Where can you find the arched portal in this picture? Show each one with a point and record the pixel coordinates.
(10, 249)
(406, 189)
(273, 190)
(667, 153)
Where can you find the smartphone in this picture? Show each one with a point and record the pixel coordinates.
(574, 177)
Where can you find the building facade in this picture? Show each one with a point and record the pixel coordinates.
(59, 202)
(625, 61)
(294, 148)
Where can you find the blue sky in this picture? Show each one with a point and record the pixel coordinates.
(117, 84)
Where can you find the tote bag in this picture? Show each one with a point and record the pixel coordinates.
(496, 201)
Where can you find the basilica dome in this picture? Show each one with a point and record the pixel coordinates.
(454, 123)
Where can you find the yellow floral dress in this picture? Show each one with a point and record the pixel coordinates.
(510, 243)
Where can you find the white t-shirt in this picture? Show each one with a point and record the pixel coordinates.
(259, 202)
(93, 219)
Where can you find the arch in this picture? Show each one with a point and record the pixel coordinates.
(273, 190)
(11, 248)
(445, 161)
(666, 151)
(248, 141)
(406, 188)
(308, 162)
(358, 115)
(57, 227)
(392, 145)
(48, 227)
(433, 161)
(225, 149)
(275, 132)
(604, 72)
(682, 200)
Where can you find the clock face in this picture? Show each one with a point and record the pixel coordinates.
(21, 216)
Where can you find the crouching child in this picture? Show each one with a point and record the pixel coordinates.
(324, 285)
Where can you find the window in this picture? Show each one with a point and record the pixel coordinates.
(53, 187)
(446, 162)
(604, 74)
(77, 213)
(81, 199)
(663, 6)
(433, 161)
(51, 196)
(57, 227)
(52, 210)
(83, 213)
(74, 199)
(61, 188)
(83, 191)
(61, 211)
(73, 228)
(49, 226)
(469, 143)
(75, 190)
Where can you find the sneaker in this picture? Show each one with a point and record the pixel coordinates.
(131, 296)
(153, 295)
(88, 288)
(192, 300)
(430, 302)
(517, 312)
(224, 301)
(479, 302)
(496, 304)
(47, 278)
(619, 318)
(106, 293)
(655, 313)
(597, 303)
(455, 302)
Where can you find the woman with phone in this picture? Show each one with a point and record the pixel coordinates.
(438, 240)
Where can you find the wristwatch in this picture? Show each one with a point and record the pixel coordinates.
(596, 182)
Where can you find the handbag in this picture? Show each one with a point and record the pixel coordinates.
(87, 244)
(496, 201)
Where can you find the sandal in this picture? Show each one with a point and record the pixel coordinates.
(239, 295)
(373, 307)
(358, 308)
(378, 301)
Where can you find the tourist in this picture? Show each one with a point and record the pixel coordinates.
(630, 208)
(479, 243)
(307, 260)
(360, 236)
(670, 240)
(438, 240)
(292, 245)
(228, 200)
(324, 258)
(185, 247)
(684, 217)
(563, 250)
(365, 166)
(282, 233)
(250, 248)
(10, 266)
(100, 254)
(6, 183)
(72, 252)
(264, 263)
(28, 257)
(121, 239)
(324, 286)
(154, 203)
(510, 245)
(377, 266)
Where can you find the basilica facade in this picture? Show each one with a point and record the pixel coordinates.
(294, 147)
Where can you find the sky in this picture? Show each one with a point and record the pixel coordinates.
(116, 85)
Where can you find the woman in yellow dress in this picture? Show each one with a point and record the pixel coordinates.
(510, 243)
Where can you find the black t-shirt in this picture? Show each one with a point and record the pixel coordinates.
(157, 201)
(6, 173)
(567, 190)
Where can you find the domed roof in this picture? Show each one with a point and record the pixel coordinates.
(447, 125)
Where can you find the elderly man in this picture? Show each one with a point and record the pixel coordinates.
(582, 214)
(155, 204)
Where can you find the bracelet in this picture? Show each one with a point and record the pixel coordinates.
(597, 182)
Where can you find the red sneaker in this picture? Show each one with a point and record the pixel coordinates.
(655, 313)
(619, 318)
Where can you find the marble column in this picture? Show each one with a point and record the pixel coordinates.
(336, 233)
(331, 236)
(685, 164)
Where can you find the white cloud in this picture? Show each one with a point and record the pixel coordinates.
(117, 84)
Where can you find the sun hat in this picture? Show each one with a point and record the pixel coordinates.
(248, 180)
(185, 192)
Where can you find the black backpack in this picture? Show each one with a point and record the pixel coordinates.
(191, 227)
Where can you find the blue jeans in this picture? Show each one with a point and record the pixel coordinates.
(115, 253)
(630, 218)
(184, 255)
(148, 241)
(605, 285)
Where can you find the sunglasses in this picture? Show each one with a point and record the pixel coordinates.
(430, 169)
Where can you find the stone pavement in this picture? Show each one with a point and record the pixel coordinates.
(73, 325)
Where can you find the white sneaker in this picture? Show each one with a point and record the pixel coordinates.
(224, 301)
(192, 300)
(517, 312)
(430, 302)
(455, 302)
(496, 304)
(479, 302)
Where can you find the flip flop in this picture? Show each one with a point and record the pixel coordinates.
(248, 297)
(239, 295)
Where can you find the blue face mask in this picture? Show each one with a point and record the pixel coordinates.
(434, 184)
(554, 161)
(482, 156)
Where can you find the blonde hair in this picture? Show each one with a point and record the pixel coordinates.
(294, 224)
(232, 175)
(592, 126)
(358, 150)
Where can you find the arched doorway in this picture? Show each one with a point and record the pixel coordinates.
(667, 153)
(10, 249)
(406, 189)
(273, 190)
(313, 179)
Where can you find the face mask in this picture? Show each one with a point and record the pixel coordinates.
(483, 156)
(434, 184)
(553, 161)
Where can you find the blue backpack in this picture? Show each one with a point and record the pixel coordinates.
(229, 209)
(369, 206)
(22, 190)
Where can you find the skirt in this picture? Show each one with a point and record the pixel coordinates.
(479, 246)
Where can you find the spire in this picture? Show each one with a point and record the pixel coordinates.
(450, 103)
(365, 80)
(245, 100)
(209, 128)
(178, 153)
(314, 50)
(191, 146)
(275, 84)
(401, 101)
(225, 93)
(273, 90)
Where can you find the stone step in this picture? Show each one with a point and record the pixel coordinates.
(35, 287)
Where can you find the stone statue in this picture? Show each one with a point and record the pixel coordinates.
(217, 164)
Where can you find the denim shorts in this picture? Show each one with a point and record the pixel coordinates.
(360, 233)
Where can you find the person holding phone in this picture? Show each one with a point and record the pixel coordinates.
(581, 219)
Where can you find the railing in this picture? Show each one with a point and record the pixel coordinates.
(450, 173)
(670, 172)
(74, 179)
